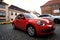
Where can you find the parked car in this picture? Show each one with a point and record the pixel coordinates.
(55, 19)
(33, 25)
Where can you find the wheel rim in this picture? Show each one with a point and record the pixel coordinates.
(31, 31)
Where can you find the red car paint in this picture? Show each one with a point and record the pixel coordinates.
(48, 28)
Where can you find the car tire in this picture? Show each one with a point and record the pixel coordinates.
(56, 20)
(31, 31)
(14, 27)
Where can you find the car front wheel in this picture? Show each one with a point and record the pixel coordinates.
(31, 31)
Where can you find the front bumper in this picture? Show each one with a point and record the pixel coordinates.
(47, 29)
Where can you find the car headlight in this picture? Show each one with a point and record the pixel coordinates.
(40, 23)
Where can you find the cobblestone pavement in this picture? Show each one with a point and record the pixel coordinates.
(8, 33)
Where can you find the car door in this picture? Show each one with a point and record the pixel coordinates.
(21, 21)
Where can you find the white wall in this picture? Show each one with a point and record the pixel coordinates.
(13, 16)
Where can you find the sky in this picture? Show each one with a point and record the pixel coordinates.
(30, 5)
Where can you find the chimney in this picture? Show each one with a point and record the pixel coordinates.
(1, 0)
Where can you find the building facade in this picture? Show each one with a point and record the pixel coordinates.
(8, 13)
(51, 7)
(14, 11)
(3, 11)
(34, 12)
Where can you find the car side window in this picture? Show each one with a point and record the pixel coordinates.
(20, 16)
(44, 16)
(41, 16)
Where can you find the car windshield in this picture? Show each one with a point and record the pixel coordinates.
(31, 15)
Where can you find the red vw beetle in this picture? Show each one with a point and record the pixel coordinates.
(33, 25)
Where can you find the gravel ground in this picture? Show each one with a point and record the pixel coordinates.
(8, 33)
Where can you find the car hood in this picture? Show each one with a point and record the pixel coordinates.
(56, 16)
(39, 19)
